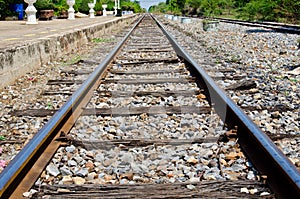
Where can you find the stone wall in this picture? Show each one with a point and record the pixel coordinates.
(19, 60)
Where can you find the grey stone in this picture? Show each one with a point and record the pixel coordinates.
(70, 149)
(82, 172)
(72, 163)
(65, 171)
(52, 170)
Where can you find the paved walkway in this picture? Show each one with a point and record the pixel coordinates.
(17, 32)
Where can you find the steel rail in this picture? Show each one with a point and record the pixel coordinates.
(16, 170)
(290, 26)
(283, 28)
(282, 176)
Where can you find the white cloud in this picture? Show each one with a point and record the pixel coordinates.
(147, 3)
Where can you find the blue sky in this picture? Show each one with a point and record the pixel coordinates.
(147, 3)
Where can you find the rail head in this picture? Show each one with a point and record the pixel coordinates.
(278, 27)
(283, 176)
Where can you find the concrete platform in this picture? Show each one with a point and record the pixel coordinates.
(26, 47)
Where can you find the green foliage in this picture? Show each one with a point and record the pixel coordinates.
(259, 10)
(110, 5)
(240, 3)
(82, 6)
(131, 6)
(267, 10)
(226, 5)
(98, 6)
(73, 60)
(49, 105)
(100, 40)
(271, 10)
(176, 5)
(192, 7)
(2, 137)
(289, 10)
(60, 6)
(5, 9)
(194, 3)
(210, 7)
(294, 80)
(44, 5)
(161, 7)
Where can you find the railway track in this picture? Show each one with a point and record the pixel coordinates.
(279, 27)
(148, 122)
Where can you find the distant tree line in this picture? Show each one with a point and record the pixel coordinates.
(266, 10)
(60, 6)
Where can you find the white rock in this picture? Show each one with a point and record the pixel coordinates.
(52, 169)
(244, 190)
(190, 187)
(264, 194)
(253, 191)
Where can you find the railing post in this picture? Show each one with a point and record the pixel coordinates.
(71, 11)
(104, 6)
(92, 11)
(31, 11)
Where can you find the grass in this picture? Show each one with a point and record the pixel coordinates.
(49, 105)
(75, 59)
(100, 40)
(293, 80)
(229, 15)
(71, 60)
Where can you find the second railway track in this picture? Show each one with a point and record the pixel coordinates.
(149, 123)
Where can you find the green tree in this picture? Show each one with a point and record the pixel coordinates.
(60, 6)
(131, 6)
(82, 6)
(176, 6)
(5, 9)
(288, 10)
(259, 10)
(98, 6)
(240, 3)
(227, 5)
(44, 5)
(194, 3)
(210, 7)
(192, 7)
(161, 7)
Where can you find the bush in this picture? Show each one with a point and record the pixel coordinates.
(259, 10)
(5, 9)
(98, 6)
(83, 6)
(44, 5)
(60, 7)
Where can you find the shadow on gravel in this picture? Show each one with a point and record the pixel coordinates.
(259, 31)
(292, 67)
